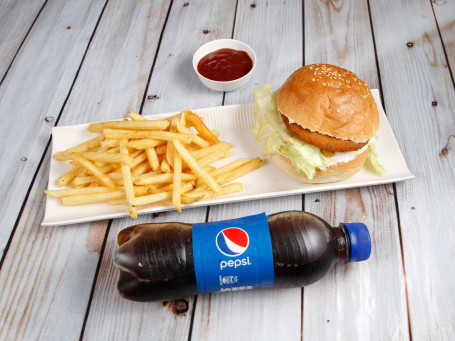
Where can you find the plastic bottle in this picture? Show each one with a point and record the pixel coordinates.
(157, 261)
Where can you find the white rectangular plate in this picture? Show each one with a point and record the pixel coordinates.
(233, 123)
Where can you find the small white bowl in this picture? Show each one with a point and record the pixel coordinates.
(223, 44)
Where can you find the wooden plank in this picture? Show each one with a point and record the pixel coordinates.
(373, 292)
(116, 68)
(32, 94)
(47, 274)
(268, 314)
(419, 97)
(50, 298)
(174, 85)
(16, 19)
(176, 88)
(444, 12)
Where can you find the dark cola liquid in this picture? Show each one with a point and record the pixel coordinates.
(156, 260)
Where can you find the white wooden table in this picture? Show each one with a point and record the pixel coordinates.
(78, 61)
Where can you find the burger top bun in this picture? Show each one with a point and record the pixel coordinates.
(329, 100)
(337, 172)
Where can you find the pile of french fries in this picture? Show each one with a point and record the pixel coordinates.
(136, 162)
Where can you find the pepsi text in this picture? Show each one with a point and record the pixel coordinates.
(235, 263)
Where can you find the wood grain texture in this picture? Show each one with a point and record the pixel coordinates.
(130, 320)
(16, 19)
(274, 30)
(84, 61)
(32, 94)
(339, 33)
(372, 291)
(444, 14)
(115, 72)
(426, 204)
(46, 276)
(64, 259)
(174, 85)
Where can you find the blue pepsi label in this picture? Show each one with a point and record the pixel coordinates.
(233, 255)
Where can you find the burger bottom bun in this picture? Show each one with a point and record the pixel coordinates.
(337, 172)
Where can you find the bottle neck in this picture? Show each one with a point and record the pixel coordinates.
(343, 243)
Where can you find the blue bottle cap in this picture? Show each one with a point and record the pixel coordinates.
(360, 241)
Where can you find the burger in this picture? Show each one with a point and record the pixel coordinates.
(320, 126)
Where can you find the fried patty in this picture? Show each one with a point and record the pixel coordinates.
(320, 140)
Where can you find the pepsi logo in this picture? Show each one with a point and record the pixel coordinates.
(232, 241)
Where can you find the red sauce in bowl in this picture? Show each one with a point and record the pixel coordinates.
(225, 65)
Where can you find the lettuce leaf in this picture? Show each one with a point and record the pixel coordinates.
(270, 128)
(372, 162)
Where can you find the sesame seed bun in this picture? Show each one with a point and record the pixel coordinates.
(337, 172)
(327, 100)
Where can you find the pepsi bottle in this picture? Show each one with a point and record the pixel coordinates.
(169, 261)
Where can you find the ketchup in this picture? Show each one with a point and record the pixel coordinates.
(225, 65)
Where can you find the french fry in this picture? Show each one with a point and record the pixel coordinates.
(87, 145)
(139, 159)
(110, 143)
(91, 198)
(229, 167)
(198, 170)
(69, 176)
(83, 180)
(145, 143)
(170, 147)
(199, 125)
(240, 171)
(141, 168)
(127, 182)
(117, 202)
(161, 150)
(177, 181)
(143, 190)
(195, 197)
(157, 179)
(219, 147)
(165, 167)
(152, 158)
(136, 117)
(138, 191)
(103, 178)
(197, 140)
(108, 157)
(228, 189)
(147, 134)
(139, 125)
(152, 198)
(208, 159)
(207, 194)
(58, 193)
